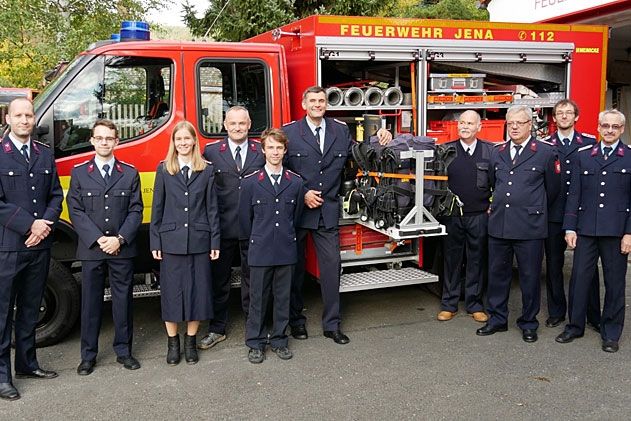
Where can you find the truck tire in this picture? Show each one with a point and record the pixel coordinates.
(60, 307)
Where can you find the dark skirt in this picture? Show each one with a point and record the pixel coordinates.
(185, 287)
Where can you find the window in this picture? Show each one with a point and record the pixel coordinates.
(133, 92)
(226, 84)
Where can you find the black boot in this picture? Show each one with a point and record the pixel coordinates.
(173, 350)
(190, 349)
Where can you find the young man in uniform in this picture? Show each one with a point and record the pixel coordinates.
(270, 205)
(30, 204)
(598, 224)
(567, 141)
(317, 150)
(233, 158)
(105, 208)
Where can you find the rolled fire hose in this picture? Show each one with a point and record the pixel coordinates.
(373, 96)
(334, 96)
(393, 96)
(353, 97)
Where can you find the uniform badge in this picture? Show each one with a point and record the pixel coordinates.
(287, 176)
(620, 151)
(7, 148)
(533, 146)
(557, 166)
(594, 150)
(252, 147)
(119, 168)
(261, 175)
(223, 147)
(91, 167)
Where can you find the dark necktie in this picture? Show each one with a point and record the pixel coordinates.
(517, 149)
(469, 151)
(606, 151)
(317, 136)
(106, 176)
(276, 185)
(237, 158)
(25, 153)
(185, 173)
(566, 142)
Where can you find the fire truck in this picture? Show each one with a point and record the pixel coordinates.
(410, 76)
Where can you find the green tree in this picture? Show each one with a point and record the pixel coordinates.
(235, 20)
(444, 9)
(36, 34)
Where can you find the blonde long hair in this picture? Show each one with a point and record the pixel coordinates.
(171, 163)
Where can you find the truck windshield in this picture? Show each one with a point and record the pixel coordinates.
(41, 98)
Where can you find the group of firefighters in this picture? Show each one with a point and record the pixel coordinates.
(260, 201)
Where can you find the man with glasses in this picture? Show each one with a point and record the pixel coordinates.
(525, 176)
(598, 224)
(105, 208)
(567, 141)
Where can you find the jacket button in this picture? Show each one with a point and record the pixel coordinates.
(46, 172)
(32, 187)
(624, 170)
(10, 172)
(511, 173)
(602, 183)
(276, 224)
(276, 200)
(602, 194)
(107, 195)
(277, 212)
(534, 169)
(31, 174)
(34, 213)
(107, 207)
(258, 201)
(90, 194)
(297, 154)
(567, 161)
(185, 209)
(34, 200)
(185, 193)
(510, 183)
(508, 205)
(107, 232)
(508, 194)
(185, 225)
(568, 172)
(567, 182)
(107, 219)
(123, 194)
(601, 206)
(604, 172)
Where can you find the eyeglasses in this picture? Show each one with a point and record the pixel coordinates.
(518, 123)
(565, 113)
(101, 139)
(607, 126)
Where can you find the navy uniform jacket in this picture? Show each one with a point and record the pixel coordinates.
(28, 191)
(600, 194)
(97, 209)
(567, 158)
(320, 171)
(519, 205)
(228, 181)
(184, 217)
(268, 219)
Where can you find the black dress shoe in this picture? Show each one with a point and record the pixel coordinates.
(610, 346)
(337, 336)
(488, 329)
(529, 335)
(567, 337)
(86, 367)
(129, 362)
(554, 321)
(8, 392)
(37, 374)
(299, 332)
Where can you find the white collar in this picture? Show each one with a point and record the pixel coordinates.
(18, 144)
(471, 146)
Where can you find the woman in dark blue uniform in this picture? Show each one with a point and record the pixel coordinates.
(184, 237)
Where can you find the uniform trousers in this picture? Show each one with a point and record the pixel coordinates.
(466, 236)
(614, 265)
(529, 254)
(120, 273)
(22, 281)
(555, 247)
(263, 281)
(327, 245)
(221, 273)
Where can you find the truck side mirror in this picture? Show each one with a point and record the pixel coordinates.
(42, 130)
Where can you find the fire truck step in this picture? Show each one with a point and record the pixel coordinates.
(140, 291)
(384, 279)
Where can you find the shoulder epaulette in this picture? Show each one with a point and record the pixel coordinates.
(40, 143)
(588, 135)
(495, 145)
(296, 174)
(340, 121)
(291, 122)
(251, 174)
(546, 142)
(584, 148)
(82, 163)
(208, 162)
(547, 138)
(126, 163)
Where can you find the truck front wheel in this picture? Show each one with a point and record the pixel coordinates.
(60, 306)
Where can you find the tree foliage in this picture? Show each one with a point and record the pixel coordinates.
(36, 34)
(235, 20)
(444, 9)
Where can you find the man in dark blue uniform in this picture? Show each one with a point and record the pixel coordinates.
(317, 150)
(567, 141)
(233, 158)
(467, 225)
(270, 205)
(30, 203)
(105, 208)
(598, 224)
(525, 176)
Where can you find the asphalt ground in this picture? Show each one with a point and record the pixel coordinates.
(400, 364)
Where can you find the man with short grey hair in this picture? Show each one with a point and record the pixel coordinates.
(525, 176)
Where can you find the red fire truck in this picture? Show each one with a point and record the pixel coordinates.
(412, 76)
